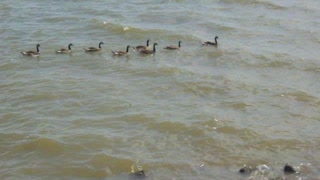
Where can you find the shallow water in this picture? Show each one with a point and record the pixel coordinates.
(197, 113)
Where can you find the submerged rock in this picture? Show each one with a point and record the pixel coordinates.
(266, 172)
(246, 170)
(288, 169)
(139, 174)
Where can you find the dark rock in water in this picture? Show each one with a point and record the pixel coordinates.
(245, 170)
(139, 174)
(242, 170)
(288, 169)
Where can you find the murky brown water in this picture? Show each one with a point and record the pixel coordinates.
(197, 113)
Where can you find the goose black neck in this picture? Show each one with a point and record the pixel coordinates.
(215, 39)
(128, 49)
(38, 45)
(179, 45)
(100, 45)
(148, 42)
(154, 47)
(69, 47)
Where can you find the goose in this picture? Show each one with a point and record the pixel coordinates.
(64, 50)
(172, 47)
(121, 53)
(147, 51)
(32, 53)
(142, 47)
(93, 49)
(210, 43)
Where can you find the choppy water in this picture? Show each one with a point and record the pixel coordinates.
(199, 113)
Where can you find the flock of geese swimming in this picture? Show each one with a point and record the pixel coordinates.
(142, 49)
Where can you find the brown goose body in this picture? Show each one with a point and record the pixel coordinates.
(172, 47)
(210, 43)
(32, 53)
(121, 53)
(148, 51)
(93, 49)
(65, 50)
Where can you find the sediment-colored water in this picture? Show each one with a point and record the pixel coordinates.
(196, 113)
